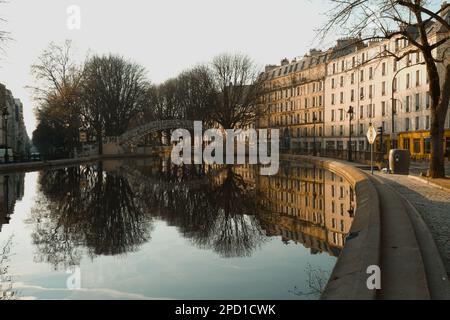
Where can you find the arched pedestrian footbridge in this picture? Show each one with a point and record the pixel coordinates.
(137, 133)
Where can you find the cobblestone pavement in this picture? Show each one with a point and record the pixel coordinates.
(434, 206)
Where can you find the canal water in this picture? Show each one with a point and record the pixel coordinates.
(145, 229)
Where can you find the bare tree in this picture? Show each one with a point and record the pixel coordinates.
(57, 90)
(115, 91)
(4, 35)
(239, 85)
(196, 93)
(426, 28)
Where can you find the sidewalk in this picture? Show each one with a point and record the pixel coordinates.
(432, 201)
(417, 168)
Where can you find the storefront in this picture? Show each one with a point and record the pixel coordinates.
(419, 144)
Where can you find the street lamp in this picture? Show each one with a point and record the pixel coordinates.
(5, 119)
(393, 101)
(350, 113)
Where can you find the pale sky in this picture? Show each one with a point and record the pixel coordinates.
(165, 36)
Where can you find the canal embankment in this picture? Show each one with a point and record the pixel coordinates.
(55, 164)
(389, 233)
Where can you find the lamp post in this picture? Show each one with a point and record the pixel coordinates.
(393, 102)
(350, 113)
(5, 119)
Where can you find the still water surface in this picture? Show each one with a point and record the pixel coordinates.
(144, 229)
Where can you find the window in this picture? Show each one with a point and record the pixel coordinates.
(332, 83)
(361, 93)
(394, 85)
(408, 80)
(361, 145)
(383, 88)
(416, 146)
(383, 108)
(407, 127)
(370, 92)
(353, 78)
(342, 98)
(407, 103)
(427, 123)
(352, 95)
(417, 78)
(427, 145)
(428, 98)
(332, 99)
(383, 68)
(417, 101)
(406, 144)
(361, 112)
(417, 123)
(361, 77)
(342, 81)
(370, 73)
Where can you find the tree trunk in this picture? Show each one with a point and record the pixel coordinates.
(437, 167)
(438, 116)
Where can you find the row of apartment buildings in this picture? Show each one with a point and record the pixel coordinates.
(312, 99)
(13, 134)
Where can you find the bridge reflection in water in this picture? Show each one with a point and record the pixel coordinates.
(114, 208)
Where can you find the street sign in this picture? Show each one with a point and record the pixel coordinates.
(372, 135)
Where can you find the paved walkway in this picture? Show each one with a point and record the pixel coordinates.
(432, 203)
(422, 167)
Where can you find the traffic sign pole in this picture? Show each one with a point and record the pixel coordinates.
(371, 137)
(371, 158)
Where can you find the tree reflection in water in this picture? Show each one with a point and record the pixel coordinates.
(86, 208)
(216, 211)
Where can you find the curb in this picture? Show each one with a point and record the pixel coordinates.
(428, 182)
(438, 281)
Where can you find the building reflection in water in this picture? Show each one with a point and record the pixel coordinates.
(110, 208)
(11, 190)
(309, 205)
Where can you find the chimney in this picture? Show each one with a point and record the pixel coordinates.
(284, 62)
(269, 68)
(314, 52)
